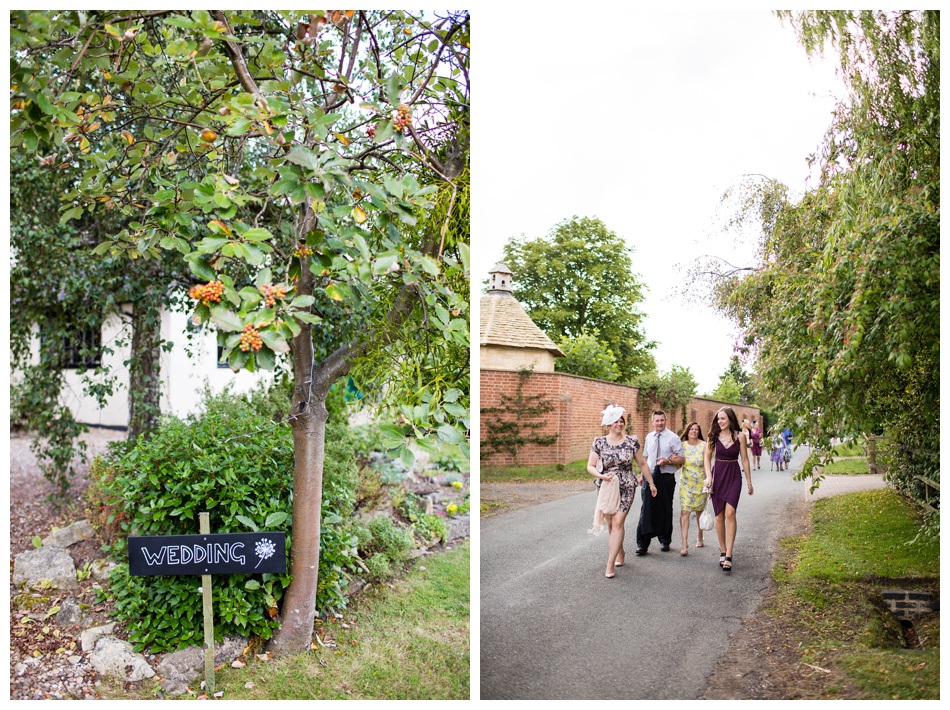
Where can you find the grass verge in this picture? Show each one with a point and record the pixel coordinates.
(849, 448)
(830, 594)
(846, 467)
(576, 471)
(407, 640)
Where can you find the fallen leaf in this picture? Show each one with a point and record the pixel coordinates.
(250, 684)
(263, 656)
(219, 694)
(238, 664)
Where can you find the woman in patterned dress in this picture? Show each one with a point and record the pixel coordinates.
(724, 479)
(692, 495)
(617, 452)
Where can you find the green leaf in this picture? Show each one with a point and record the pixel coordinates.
(265, 358)
(450, 434)
(73, 213)
(452, 395)
(257, 235)
(226, 319)
(276, 518)
(274, 341)
(304, 157)
(303, 301)
(200, 267)
(37, 541)
(252, 584)
(247, 522)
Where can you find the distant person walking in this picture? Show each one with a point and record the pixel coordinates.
(664, 452)
(611, 463)
(692, 497)
(728, 444)
(777, 455)
(755, 436)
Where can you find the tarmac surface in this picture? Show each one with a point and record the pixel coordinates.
(552, 627)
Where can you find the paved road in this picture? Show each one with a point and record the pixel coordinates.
(552, 627)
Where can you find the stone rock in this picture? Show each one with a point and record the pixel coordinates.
(101, 568)
(181, 667)
(69, 613)
(70, 535)
(459, 527)
(114, 657)
(52, 563)
(89, 637)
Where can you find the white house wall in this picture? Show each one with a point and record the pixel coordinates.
(183, 377)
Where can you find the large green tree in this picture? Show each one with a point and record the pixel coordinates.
(580, 278)
(293, 160)
(842, 309)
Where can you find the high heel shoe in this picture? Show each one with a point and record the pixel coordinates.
(728, 561)
(722, 558)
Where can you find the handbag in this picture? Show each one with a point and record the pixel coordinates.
(707, 520)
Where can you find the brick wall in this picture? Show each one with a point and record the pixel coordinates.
(576, 417)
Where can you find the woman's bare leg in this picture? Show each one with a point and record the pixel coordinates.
(684, 529)
(616, 526)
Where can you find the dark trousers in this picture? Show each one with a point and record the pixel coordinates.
(656, 514)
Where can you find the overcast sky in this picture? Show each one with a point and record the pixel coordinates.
(642, 119)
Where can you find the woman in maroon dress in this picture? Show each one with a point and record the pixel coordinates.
(755, 439)
(728, 442)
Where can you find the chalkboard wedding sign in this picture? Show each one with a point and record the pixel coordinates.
(222, 553)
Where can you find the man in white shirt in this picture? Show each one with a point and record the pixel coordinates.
(664, 452)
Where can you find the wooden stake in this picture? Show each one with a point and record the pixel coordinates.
(204, 522)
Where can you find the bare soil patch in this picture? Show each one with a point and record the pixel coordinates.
(46, 660)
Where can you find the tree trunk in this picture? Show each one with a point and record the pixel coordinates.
(145, 368)
(308, 417)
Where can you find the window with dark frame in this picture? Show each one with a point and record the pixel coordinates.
(81, 349)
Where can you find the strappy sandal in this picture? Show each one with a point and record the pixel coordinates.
(684, 552)
(609, 576)
(728, 561)
(722, 558)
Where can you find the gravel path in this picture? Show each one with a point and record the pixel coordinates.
(46, 659)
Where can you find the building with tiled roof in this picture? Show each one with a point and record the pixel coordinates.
(508, 338)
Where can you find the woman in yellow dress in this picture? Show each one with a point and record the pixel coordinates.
(692, 475)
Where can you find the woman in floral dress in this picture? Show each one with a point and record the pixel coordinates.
(692, 494)
(612, 456)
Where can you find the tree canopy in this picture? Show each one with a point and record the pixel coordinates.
(580, 278)
(842, 310)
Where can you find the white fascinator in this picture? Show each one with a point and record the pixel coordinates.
(611, 414)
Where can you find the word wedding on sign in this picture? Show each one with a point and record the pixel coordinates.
(225, 553)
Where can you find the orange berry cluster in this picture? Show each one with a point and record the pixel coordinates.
(251, 339)
(401, 117)
(371, 131)
(272, 293)
(206, 293)
(302, 251)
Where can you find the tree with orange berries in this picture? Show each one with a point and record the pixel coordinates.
(239, 140)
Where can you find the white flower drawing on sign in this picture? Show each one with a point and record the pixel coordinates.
(264, 548)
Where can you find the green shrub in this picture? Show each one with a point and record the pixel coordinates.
(379, 567)
(235, 462)
(431, 527)
(388, 538)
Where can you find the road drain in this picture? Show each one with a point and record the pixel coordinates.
(907, 605)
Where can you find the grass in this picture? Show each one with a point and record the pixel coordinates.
(846, 467)
(830, 587)
(849, 448)
(409, 640)
(576, 471)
